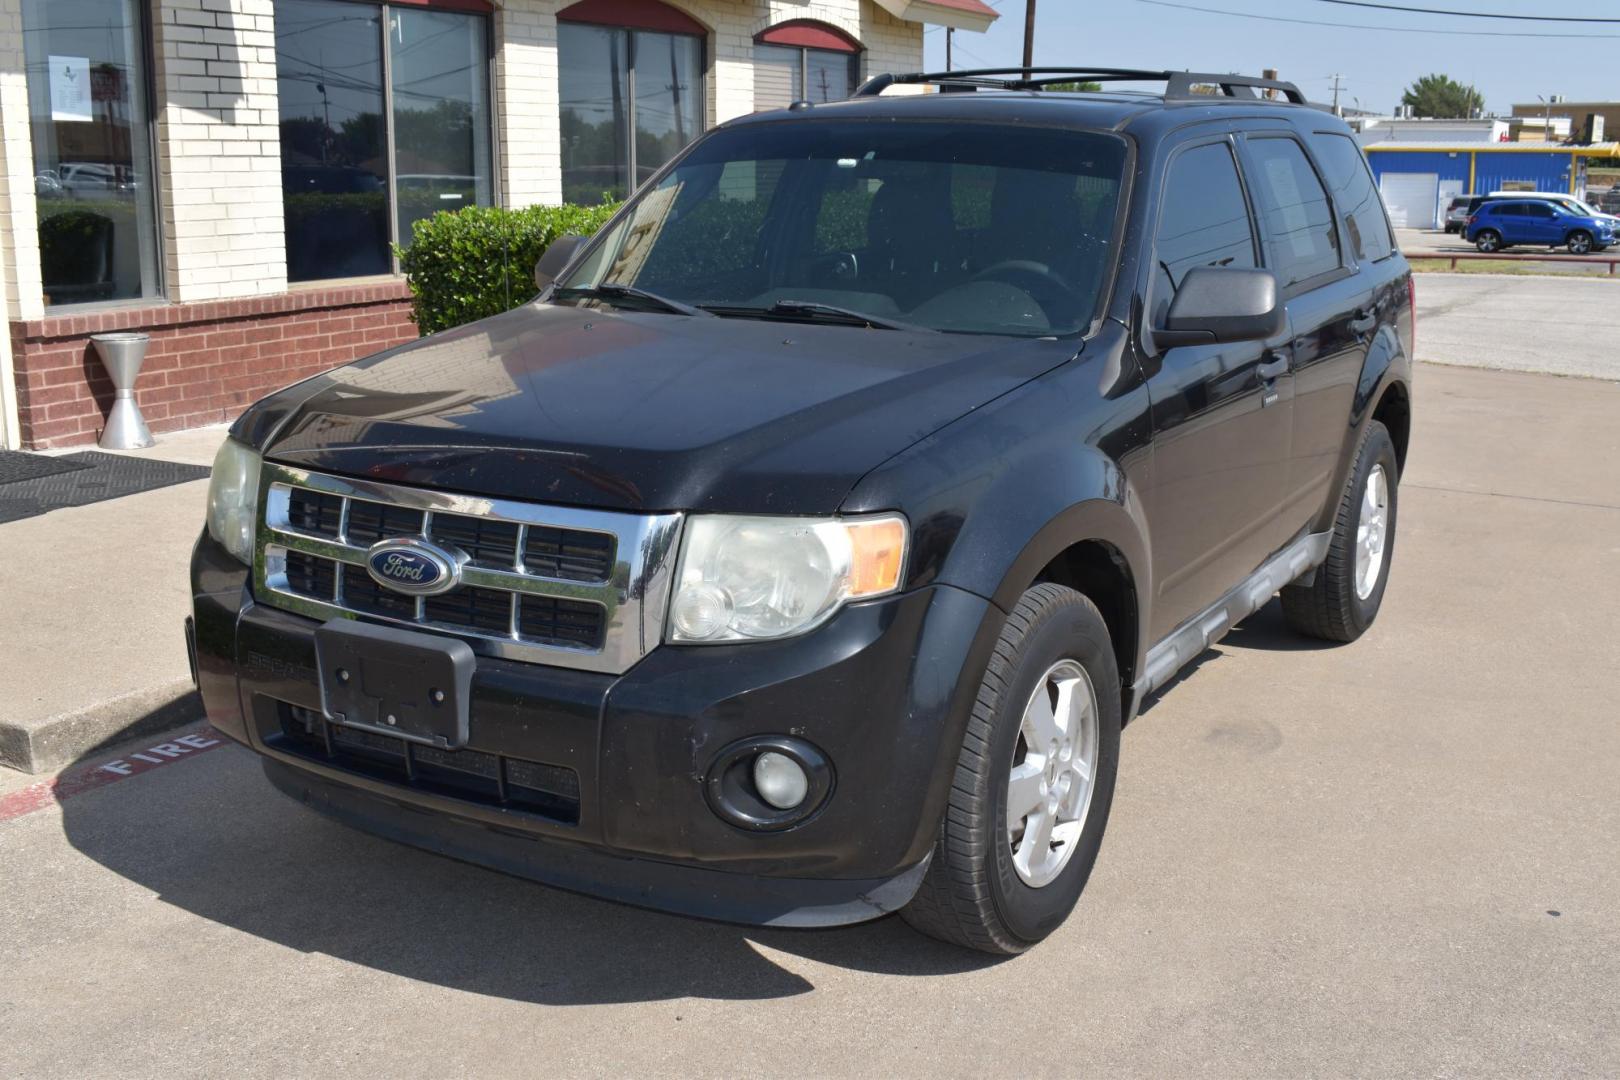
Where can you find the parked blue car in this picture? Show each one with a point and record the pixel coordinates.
(1502, 222)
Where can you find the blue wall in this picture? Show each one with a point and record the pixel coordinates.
(1548, 172)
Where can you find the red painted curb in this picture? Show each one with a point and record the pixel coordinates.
(181, 747)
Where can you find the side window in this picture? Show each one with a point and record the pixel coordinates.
(1351, 183)
(1301, 241)
(1203, 220)
(1537, 210)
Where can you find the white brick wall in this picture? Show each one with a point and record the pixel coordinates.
(526, 102)
(219, 149)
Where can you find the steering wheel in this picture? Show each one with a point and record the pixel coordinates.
(1048, 288)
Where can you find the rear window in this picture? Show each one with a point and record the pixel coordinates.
(1354, 193)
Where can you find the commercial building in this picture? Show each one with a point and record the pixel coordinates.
(1593, 121)
(1418, 180)
(230, 176)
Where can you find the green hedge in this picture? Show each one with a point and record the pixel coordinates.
(472, 263)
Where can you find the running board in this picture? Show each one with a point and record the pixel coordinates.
(1210, 625)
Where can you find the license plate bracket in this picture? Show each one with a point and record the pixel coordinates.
(401, 683)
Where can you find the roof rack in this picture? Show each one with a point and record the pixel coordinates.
(1178, 84)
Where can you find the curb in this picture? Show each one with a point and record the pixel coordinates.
(38, 746)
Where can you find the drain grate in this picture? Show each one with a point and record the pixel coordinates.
(17, 465)
(88, 478)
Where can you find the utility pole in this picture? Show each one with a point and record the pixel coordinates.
(1029, 34)
(1336, 80)
(950, 32)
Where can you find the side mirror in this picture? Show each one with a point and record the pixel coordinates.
(1220, 304)
(555, 258)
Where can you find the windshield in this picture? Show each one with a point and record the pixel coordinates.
(965, 228)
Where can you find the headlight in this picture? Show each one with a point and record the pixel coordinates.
(753, 578)
(233, 499)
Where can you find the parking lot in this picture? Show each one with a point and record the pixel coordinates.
(1395, 857)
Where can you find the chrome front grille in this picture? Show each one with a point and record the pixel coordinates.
(553, 585)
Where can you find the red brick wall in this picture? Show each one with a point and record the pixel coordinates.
(207, 362)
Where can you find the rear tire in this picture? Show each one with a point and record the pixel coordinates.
(1344, 597)
(1488, 240)
(991, 886)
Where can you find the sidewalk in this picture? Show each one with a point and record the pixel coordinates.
(93, 599)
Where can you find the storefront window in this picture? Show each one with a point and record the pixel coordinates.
(341, 100)
(92, 150)
(631, 99)
(803, 61)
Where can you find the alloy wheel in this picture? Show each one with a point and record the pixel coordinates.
(1372, 531)
(1054, 773)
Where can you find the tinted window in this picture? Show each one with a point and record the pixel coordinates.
(1300, 239)
(1537, 210)
(1356, 196)
(961, 227)
(1204, 220)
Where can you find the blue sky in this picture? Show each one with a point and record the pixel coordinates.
(1499, 57)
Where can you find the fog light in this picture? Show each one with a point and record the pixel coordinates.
(780, 780)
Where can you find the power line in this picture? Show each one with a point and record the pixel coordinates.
(1467, 14)
(1365, 26)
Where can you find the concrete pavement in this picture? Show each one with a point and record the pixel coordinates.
(94, 597)
(1390, 858)
(1560, 325)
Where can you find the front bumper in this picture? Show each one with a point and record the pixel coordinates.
(883, 690)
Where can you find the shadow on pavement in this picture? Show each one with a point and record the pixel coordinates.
(1267, 630)
(210, 836)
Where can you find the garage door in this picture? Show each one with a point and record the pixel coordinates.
(1412, 199)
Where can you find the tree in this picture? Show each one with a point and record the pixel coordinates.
(1087, 87)
(1444, 97)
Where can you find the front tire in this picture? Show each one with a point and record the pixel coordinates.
(1033, 782)
(1344, 597)
(1488, 240)
(1579, 242)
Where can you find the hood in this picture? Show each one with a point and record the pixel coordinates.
(641, 411)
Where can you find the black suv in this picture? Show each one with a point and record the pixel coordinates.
(798, 554)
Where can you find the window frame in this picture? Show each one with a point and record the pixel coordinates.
(631, 30)
(146, 48)
(479, 9)
(1326, 277)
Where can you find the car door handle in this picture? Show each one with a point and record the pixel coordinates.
(1275, 364)
(1364, 321)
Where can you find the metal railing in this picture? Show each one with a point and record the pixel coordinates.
(1476, 256)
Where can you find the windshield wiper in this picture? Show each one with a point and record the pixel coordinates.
(613, 291)
(814, 309)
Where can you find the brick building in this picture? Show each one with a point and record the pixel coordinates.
(229, 175)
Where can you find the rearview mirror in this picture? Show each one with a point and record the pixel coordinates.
(555, 258)
(1221, 304)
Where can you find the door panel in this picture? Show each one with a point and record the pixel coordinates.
(1332, 328)
(1220, 471)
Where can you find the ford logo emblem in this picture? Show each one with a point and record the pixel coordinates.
(412, 566)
